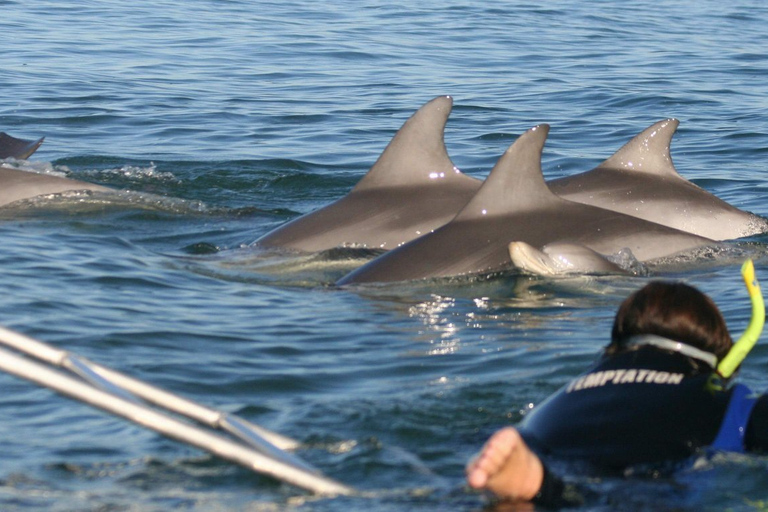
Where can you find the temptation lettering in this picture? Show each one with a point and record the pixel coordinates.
(598, 379)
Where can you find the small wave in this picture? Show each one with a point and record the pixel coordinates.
(627, 261)
(133, 173)
(38, 167)
(87, 201)
(720, 255)
(255, 265)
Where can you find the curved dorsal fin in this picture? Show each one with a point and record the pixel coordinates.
(516, 182)
(648, 151)
(417, 153)
(20, 149)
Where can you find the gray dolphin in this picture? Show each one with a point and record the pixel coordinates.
(16, 185)
(641, 180)
(412, 189)
(20, 149)
(515, 204)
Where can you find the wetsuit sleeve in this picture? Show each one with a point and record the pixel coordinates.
(555, 493)
(756, 439)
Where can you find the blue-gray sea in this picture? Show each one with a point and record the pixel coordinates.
(227, 118)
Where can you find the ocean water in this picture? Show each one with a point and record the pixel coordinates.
(222, 119)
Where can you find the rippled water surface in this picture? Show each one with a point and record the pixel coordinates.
(222, 119)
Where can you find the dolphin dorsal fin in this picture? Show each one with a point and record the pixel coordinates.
(516, 182)
(648, 151)
(417, 153)
(20, 149)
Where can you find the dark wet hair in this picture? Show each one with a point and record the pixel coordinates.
(673, 310)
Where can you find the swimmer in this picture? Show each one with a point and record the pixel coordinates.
(657, 393)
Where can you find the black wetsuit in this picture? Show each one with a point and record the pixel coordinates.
(644, 406)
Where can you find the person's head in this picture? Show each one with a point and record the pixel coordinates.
(675, 311)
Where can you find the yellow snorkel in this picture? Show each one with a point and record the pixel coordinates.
(744, 344)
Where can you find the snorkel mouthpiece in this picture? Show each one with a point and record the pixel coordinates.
(741, 348)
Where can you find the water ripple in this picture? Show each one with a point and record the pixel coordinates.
(220, 120)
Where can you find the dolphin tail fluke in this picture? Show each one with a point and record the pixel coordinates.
(560, 259)
(20, 149)
(417, 153)
(649, 151)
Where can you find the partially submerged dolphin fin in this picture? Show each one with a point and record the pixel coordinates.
(515, 183)
(20, 149)
(417, 153)
(560, 258)
(649, 151)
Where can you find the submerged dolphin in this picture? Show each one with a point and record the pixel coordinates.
(20, 149)
(641, 180)
(560, 258)
(412, 189)
(515, 204)
(16, 185)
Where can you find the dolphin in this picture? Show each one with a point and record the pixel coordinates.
(412, 189)
(20, 149)
(515, 204)
(641, 180)
(16, 185)
(559, 259)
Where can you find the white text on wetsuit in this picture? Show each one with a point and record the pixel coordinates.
(633, 376)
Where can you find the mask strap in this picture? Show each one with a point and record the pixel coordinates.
(675, 346)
